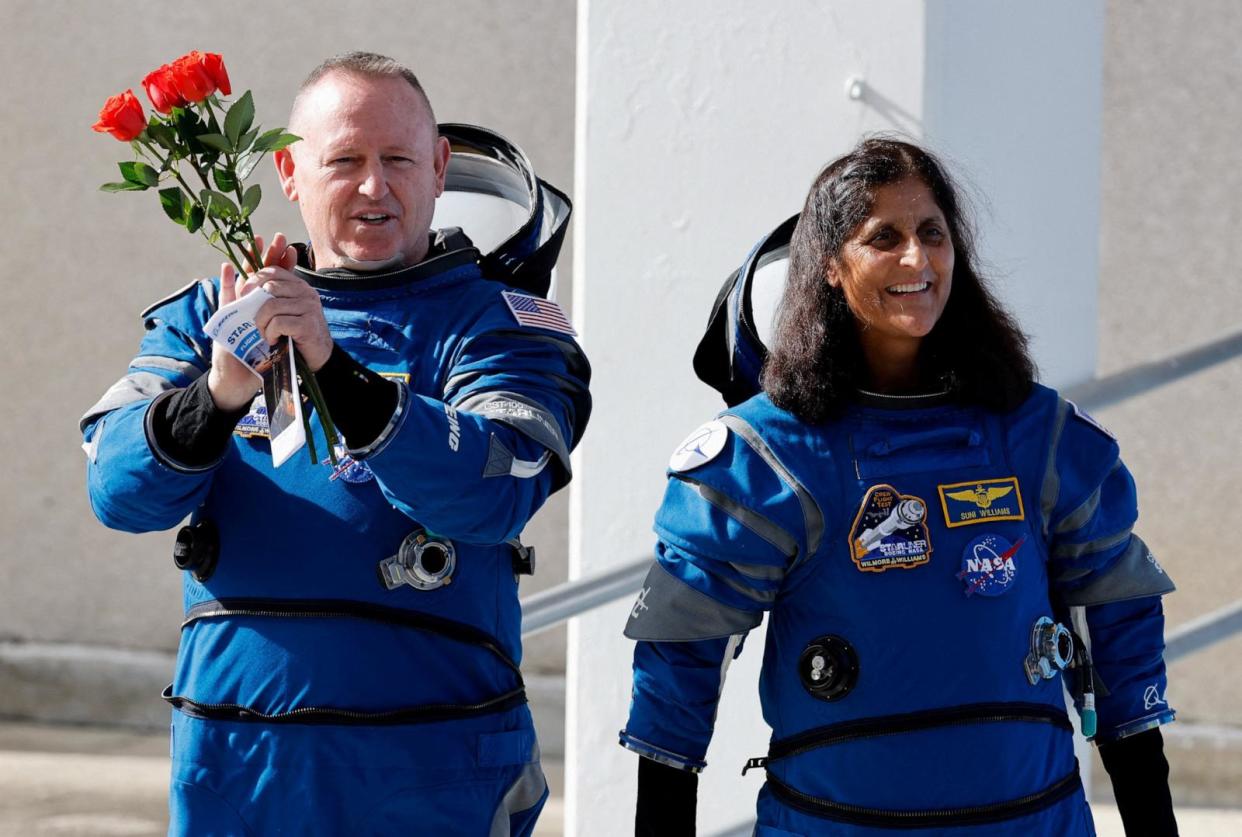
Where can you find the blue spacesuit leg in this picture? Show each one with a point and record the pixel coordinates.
(474, 776)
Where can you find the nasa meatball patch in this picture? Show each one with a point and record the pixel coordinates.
(701, 446)
(890, 531)
(989, 566)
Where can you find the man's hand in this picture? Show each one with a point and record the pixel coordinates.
(294, 310)
(230, 383)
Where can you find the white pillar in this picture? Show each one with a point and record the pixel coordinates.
(700, 126)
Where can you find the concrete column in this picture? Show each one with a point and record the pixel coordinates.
(700, 126)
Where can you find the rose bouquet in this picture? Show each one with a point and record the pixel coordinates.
(196, 151)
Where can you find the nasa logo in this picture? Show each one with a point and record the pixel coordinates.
(890, 531)
(988, 566)
(700, 447)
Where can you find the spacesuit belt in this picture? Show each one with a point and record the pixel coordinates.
(970, 713)
(419, 714)
(948, 817)
(345, 608)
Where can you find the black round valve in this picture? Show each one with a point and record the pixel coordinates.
(197, 549)
(828, 668)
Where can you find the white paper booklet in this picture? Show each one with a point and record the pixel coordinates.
(233, 329)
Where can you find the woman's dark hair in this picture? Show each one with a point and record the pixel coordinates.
(816, 365)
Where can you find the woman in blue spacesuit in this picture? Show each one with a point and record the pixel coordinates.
(937, 541)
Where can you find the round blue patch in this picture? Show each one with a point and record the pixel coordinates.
(989, 565)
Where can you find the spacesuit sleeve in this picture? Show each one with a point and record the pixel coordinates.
(133, 484)
(729, 531)
(476, 464)
(1104, 573)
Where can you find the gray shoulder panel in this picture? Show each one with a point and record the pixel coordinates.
(752, 520)
(1135, 574)
(669, 610)
(136, 386)
(812, 515)
(523, 415)
(208, 288)
(1050, 491)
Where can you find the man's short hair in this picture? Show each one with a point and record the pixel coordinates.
(367, 64)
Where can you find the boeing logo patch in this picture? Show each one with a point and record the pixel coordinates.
(981, 501)
(700, 447)
(641, 604)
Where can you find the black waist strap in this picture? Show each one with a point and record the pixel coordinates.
(345, 608)
(971, 713)
(883, 818)
(421, 714)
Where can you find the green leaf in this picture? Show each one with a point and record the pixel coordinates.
(124, 186)
(173, 202)
(263, 143)
(238, 236)
(250, 200)
(226, 181)
(187, 125)
(140, 173)
(195, 218)
(274, 140)
(246, 165)
(219, 205)
(246, 139)
(216, 142)
(239, 118)
(286, 140)
(162, 134)
(214, 237)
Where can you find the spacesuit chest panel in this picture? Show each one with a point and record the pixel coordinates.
(934, 573)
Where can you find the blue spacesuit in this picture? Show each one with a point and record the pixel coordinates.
(917, 559)
(354, 648)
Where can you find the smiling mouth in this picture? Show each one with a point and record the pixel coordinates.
(912, 288)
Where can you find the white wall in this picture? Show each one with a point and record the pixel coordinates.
(700, 126)
(1013, 96)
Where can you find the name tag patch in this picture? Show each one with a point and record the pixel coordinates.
(981, 501)
(890, 531)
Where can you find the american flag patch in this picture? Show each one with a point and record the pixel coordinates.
(538, 312)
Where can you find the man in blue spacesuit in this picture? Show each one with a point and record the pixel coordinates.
(349, 661)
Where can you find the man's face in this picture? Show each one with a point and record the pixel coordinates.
(367, 171)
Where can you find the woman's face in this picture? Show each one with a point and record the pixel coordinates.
(896, 268)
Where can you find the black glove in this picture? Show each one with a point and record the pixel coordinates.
(1140, 776)
(667, 798)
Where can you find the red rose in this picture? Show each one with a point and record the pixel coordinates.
(213, 64)
(161, 89)
(191, 78)
(122, 117)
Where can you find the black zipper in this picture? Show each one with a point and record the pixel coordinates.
(883, 725)
(341, 608)
(422, 713)
(930, 818)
